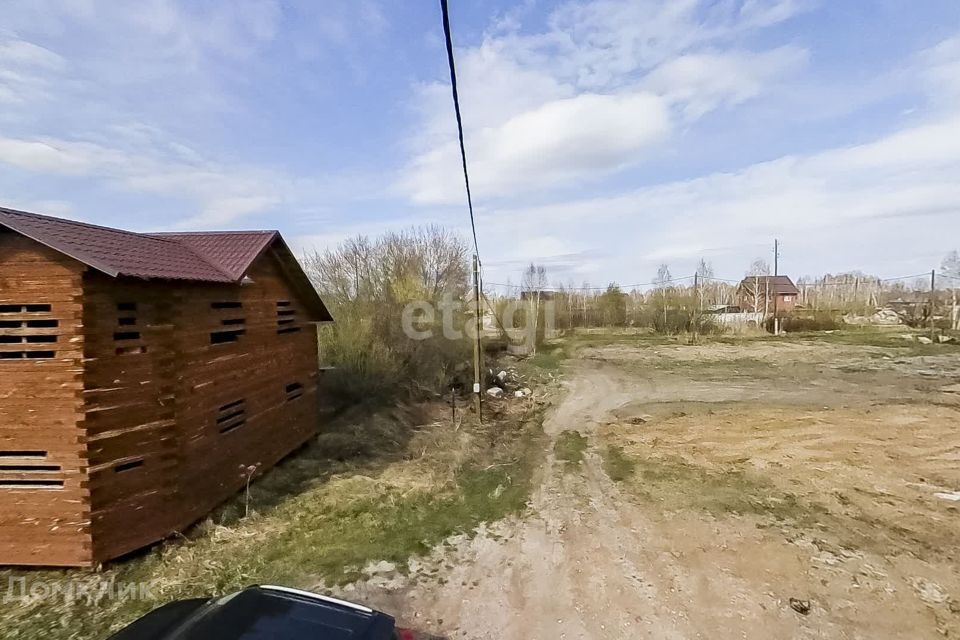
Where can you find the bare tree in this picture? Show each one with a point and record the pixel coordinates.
(759, 267)
(533, 282)
(707, 285)
(950, 267)
(756, 283)
(662, 283)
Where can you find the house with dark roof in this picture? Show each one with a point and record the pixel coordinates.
(144, 378)
(767, 294)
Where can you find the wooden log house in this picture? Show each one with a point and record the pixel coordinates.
(142, 377)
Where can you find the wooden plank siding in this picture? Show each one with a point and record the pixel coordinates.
(231, 396)
(130, 412)
(44, 492)
(162, 393)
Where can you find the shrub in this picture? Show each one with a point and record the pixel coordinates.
(809, 321)
(367, 285)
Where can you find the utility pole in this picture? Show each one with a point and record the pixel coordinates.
(933, 288)
(477, 387)
(697, 306)
(776, 296)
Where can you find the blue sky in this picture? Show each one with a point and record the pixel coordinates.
(605, 136)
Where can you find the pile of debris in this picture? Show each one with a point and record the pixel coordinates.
(503, 380)
(925, 340)
(885, 316)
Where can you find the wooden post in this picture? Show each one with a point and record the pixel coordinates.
(933, 287)
(955, 324)
(776, 296)
(477, 387)
(697, 307)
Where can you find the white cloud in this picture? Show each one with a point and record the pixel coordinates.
(895, 190)
(24, 71)
(557, 142)
(939, 70)
(216, 194)
(701, 82)
(95, 108)
(588, 96)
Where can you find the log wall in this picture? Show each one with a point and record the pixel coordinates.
(44, 492)
(189, 388)
(130, 412)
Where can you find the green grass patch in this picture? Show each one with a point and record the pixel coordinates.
(547, 360)
(617, 464)
(678, 484)
(570, 447)
(888, 337)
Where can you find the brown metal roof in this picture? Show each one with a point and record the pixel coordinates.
(215, 256)
(113, 251)
(230, 251)
(779, 285)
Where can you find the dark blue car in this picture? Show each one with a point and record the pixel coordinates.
(266, 613)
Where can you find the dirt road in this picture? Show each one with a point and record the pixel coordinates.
(690, 549)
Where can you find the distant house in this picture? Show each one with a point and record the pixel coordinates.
(766, 294)
(143, 378)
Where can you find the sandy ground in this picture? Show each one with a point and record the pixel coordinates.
(846, 458)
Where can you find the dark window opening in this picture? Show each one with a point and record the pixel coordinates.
(286, 318)
(29, 355)
(223, 337)
(10, 331)
(28, 308)
(35, 484)
(28, 463)
(125, 337)
(294, 391)
(127, 466)
(288, 330)
(232, 415)
(236, 324)
(43, 324)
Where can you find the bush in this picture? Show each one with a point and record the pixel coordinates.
(814, 321)
(677, 321)
(367, 285)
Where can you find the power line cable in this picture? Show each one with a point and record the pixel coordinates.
(621, 286)
(456, 107)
